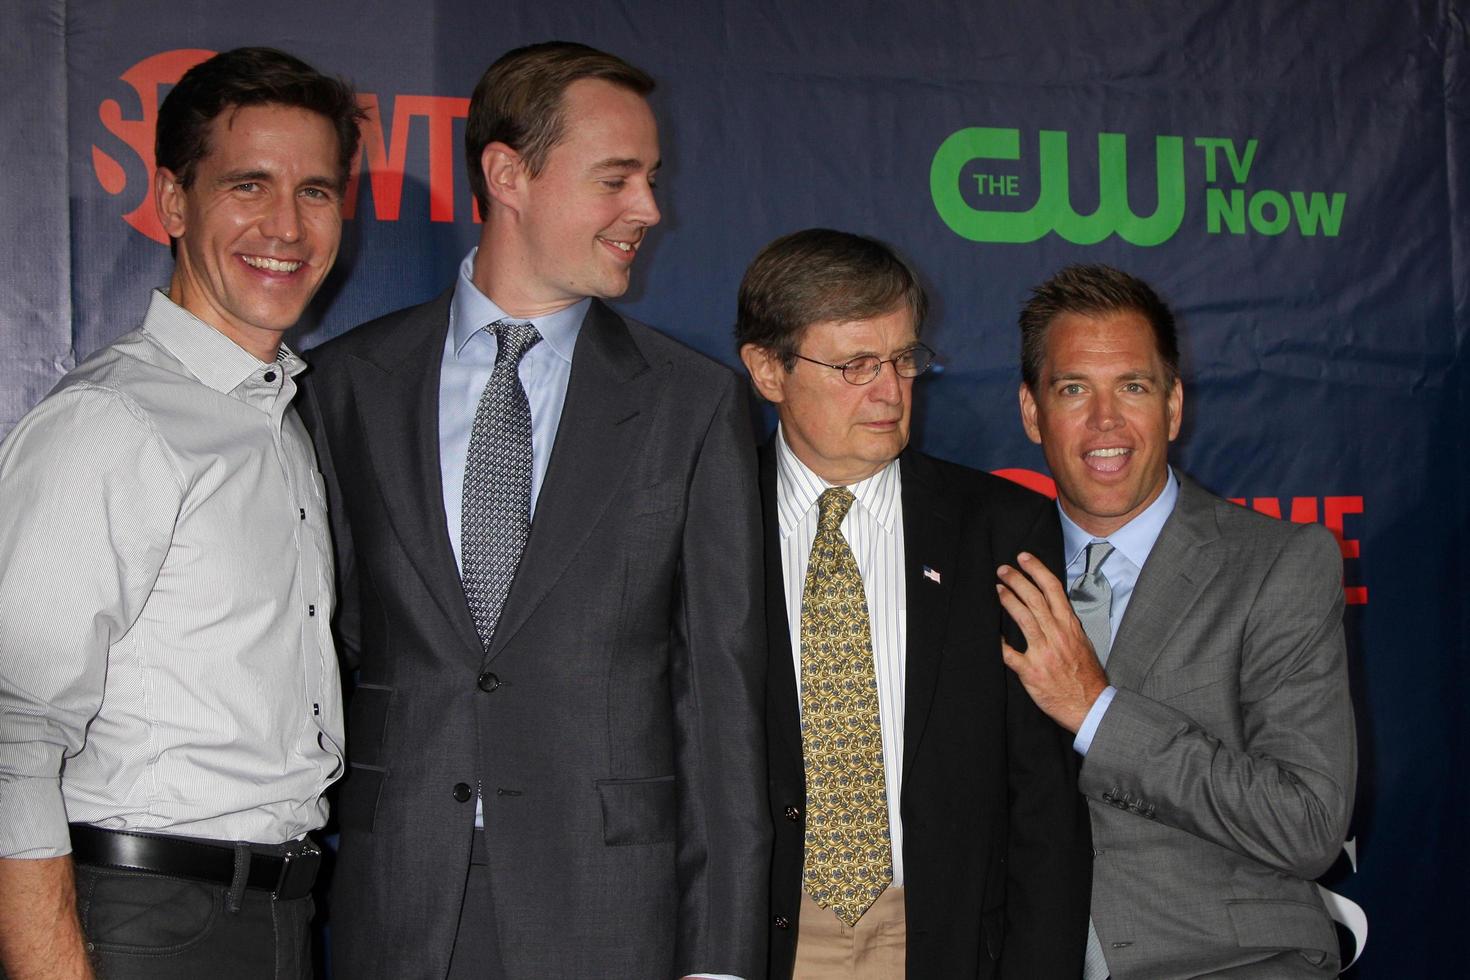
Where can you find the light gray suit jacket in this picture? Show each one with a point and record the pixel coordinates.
(1221, 779)
(614, 727)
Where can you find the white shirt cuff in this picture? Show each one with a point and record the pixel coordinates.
(32, 818)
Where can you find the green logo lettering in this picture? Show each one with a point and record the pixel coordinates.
(1053, 209)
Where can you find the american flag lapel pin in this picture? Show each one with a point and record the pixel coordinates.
(931, 575)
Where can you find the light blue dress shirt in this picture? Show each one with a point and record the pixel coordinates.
(1131, 546)
(469, 357)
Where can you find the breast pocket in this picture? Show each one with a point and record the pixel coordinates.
(655, 498)
(638, 811)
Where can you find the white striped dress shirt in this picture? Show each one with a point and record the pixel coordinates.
(873, 528)
(165, 589)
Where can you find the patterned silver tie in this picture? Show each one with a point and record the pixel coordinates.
(1092, 601)
(496, 516)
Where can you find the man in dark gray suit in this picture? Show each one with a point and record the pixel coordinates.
(1218, 745)
(548, 533)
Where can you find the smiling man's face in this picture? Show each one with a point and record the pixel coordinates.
(1104, 413)
(259, 225)
(585, 215)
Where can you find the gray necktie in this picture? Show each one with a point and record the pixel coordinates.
(496, 515)
(1092, 601)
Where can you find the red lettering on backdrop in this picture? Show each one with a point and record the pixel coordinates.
(1031, 480)
(1335, 508)
(1303, 511)
(384, 159)
(146, 78)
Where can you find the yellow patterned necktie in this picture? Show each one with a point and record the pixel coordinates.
(849, 860)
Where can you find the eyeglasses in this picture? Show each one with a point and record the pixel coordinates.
(908, 363)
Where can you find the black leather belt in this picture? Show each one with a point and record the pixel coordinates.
(285, 875)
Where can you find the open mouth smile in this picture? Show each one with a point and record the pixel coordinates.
(266, 264)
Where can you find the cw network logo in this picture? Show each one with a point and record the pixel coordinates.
(383, 158)
(958, 186)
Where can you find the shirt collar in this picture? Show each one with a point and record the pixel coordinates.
(797, 490)
(470, 310)
(216, 360)
(1135, 539)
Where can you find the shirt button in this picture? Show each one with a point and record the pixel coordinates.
(269, 376)
(462, 792)
(793, 813)
(487, 682)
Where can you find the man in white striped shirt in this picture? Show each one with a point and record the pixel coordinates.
(168, 685)
(967, 854)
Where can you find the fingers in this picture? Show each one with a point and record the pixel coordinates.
(1023, 586)
(1050, 586)
(1019, 611)
(1014, 660)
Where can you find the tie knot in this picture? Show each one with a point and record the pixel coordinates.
(514, 339)
(1097, 553)
(834, 503)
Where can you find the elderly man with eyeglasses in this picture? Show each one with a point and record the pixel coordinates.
(926, 821)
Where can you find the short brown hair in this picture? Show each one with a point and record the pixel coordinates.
(249, 77)
(1093, 290)
(519, 102)
(816, 276)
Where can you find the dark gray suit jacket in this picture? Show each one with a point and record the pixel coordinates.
(614, 727)
(1221, 778)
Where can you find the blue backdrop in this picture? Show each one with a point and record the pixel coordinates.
(1291, 175)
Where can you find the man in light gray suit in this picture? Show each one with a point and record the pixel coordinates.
(1218, 747)
(548, 535)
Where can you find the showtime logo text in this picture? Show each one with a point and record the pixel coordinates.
(382, 156)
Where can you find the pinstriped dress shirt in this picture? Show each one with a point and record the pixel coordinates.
(165, 591)
(873, 528)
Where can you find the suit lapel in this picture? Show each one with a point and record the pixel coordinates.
(396, 388)
(931, 531)
(1183, 562)
(781, 682)
(610, 399)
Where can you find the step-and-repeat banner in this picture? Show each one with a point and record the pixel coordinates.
(1291, 176)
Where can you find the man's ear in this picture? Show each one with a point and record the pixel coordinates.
(767, 372)
(505, 174)
(1028, 414)
(169, 200)
(1176, 409)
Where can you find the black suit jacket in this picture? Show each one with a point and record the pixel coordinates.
(613, 727)
(997, 859)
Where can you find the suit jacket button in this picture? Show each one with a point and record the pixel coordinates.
(782, 922)
(793, 813)
(487, 682)
(462, 792)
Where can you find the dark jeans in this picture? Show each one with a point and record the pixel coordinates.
(154, 927)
